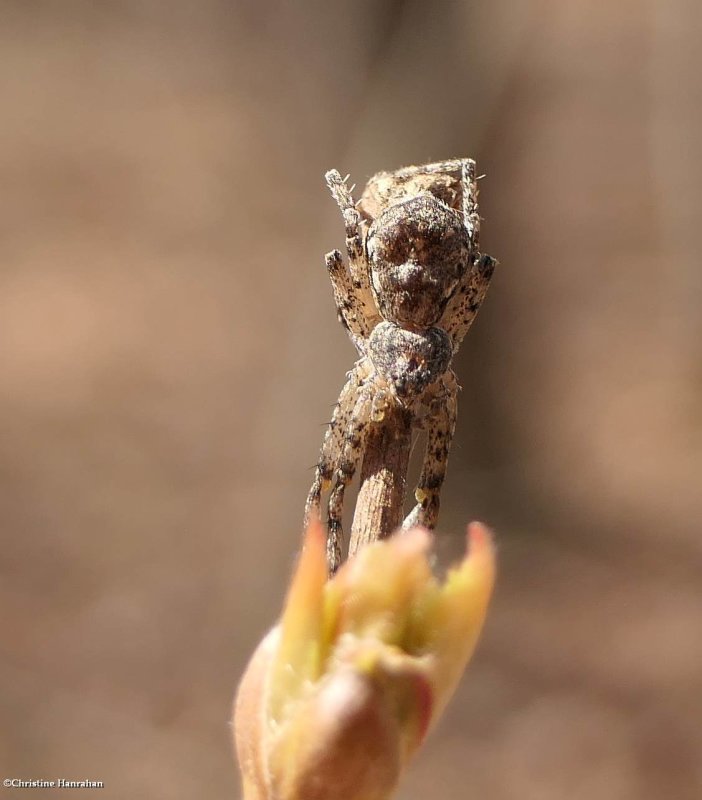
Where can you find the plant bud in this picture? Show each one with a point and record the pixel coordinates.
(341, 693)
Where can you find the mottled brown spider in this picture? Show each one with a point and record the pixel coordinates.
(413, 287)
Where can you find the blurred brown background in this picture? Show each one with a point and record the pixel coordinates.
(169, 352)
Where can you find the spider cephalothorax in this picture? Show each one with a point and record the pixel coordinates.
(414, 284)
(407, 360)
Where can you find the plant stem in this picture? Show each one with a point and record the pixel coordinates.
(381, 498)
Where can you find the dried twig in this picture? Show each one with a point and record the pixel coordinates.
(381, 498)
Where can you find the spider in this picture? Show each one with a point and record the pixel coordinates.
(413, 286)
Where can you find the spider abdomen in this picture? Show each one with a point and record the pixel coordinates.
(418, 250)
(410, 361)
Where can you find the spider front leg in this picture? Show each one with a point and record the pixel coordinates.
(338, 457)
(440, 427)
(355, 437)
(333, 441)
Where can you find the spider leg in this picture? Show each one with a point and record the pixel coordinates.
(334, 437)
(348, 305)
(358, 268)
(463, 307)
(454, 165)
(355, 437)
(471, 218)
(465, 303)
(440, 427)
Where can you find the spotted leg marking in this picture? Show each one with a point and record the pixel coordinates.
(353, 448)
(349, 305)
(333, 440)
(463, 307)
(440, 427)
(358, 267)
